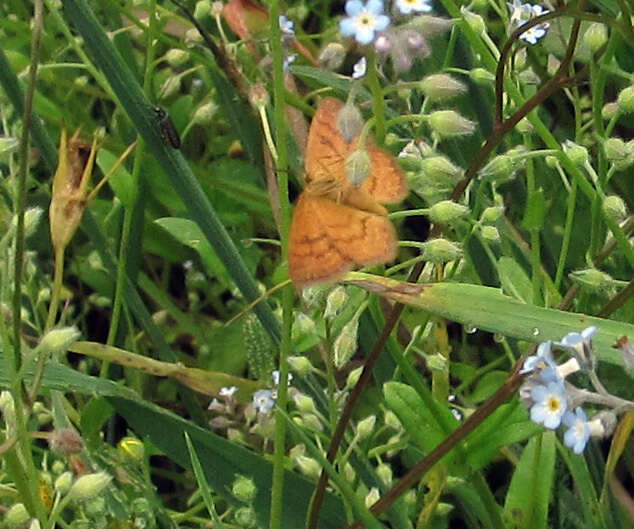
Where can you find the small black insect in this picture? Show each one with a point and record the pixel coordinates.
(166, 126)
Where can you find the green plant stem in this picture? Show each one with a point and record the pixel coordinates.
(565, 242)
(277, 488)
(534, 230)
(57, 288)
(378, 108)
(21, 456)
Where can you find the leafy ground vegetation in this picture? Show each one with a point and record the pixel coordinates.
(181, 347)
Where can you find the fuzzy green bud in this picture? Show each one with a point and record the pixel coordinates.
(441, 251)
(592, 279)
(372, 497)
(303, 324)
(441, 169)
(609, 110)
(17, 516)
(349, 122)
(365, 427)
(245, 517)
(502, 168)
(337, 298)
(89, 486)
(332, 56)
(312, 422)
(304, 403)
(618, 152)
(524, 126)
(308, 466)
(95, 507)
(358, 166)
(577, 154)
(171, 86)
(8, 145)
(31, 220)
(441, 86)
(447, 211)
(345, 344)
(481, 76)
(595, 36)
(491, 214)
(490, 234)
(475, 21)
(58, 341)
(448, 123)
(176, 57)
(353, 377)
(216, 8)
(614, 207)
(301, 365)
(349, 472)
(391, 420)
(235, 436)
(205, 113)
(58, 467)
(244, 489)
(625, 100)
(202, 9)
(385, 474)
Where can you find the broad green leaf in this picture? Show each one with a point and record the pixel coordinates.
(529, 494)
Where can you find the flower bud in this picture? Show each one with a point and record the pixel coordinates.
(17, 516)
(58, 341)
(95, 507)
(244, 489)
(66, 441)
(372, 497)
(441, 169)
(132, 448)
(245, 517)
(358, 167)
(491, 214)
(202, 10)
(300, 364)
(304, 403)
(501, 168)
(448, 123)
(602, 424)
(70, 188)
(349, 472)
(353, 377)
(595, 36)
(577, 154)
(312, 422)
(58, 467)
(259, 95)
(391, 420)
(438, 87)
(31, 220)
(35, 524)
(383, 43)
(337, 298)
(441, 251)
(490, 234)
(524, 126)
(592, 279)
(176, 57)
(447, 211)
(8, 145)
(609, 110)
(614, 207)
(365, 427)
(332, 56)
(204, 113)
(385, 474)
(216, 8)
(349, 122)
(345, 344)
(303, 324)
(475, 21)
(88, 486)
(482, 76)
(618, 152)
(308, 466)
(625, 100)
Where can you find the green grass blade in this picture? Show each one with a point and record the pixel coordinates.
(140, 111)
(202, 483)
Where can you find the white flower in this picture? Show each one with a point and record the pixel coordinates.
(263, 400)
(228, 391)
(363, 20)
(578, 433)
(549, 404)
(418, 6)
(360, 68)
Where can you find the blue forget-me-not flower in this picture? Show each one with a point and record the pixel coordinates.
(363, 20)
